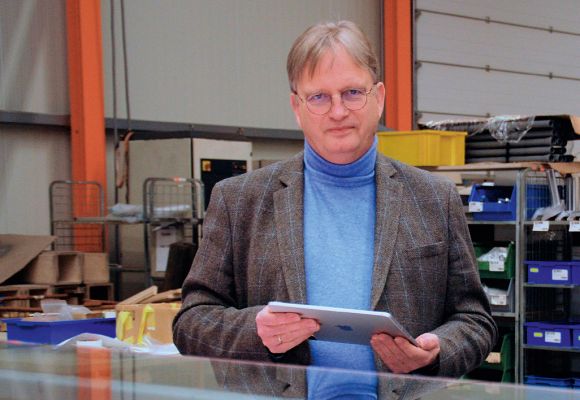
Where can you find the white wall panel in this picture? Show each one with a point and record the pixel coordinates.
(463, 41)
(30, 159)
(33, 70)
(474, 92)
(150, 159)
(275, 150)
(445, 43)
(157, 159)
(201, 61)
(560, 14)
(217, 62)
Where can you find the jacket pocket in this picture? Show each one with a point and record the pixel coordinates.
(429, 250)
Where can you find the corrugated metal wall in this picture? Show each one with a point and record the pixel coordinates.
(488, 57)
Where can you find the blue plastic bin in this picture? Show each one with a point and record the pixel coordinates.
(57, 331)
(500, 202)
(544, 381)
(551, 334)
(549, 272)
(576, 337)
(575, 269)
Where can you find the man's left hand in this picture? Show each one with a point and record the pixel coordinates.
(403, 357)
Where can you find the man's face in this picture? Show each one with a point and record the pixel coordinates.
(340, 136)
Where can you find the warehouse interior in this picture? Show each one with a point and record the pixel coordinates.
(114, 114)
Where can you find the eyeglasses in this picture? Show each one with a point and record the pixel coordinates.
(321, 103)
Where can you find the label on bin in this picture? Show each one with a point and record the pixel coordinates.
(574, 226)
(538, 334)
(496, 266)
(541, 226)
(498, 300)
(535, 270)
(553, 337)
(475, 206)
(559, 274)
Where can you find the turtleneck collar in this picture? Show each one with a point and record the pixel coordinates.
(363, 167)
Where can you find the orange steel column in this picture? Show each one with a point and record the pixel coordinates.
(398, 22)
(87, 116)
(94, 373)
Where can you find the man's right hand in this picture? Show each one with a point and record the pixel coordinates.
(282, 331)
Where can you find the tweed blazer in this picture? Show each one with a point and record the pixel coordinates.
(252, 252)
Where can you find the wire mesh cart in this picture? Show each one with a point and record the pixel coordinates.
(172, 211)
(77, 216)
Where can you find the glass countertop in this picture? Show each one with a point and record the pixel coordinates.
(45, 372)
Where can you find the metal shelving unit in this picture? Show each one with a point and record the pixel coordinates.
(173, 210)
(550, 302)
(508, 321)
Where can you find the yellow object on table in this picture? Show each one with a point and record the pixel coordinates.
(137, 321)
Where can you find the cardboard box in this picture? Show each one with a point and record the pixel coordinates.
(16, 251)
(51, 267)
(95, 268)
(136, 322)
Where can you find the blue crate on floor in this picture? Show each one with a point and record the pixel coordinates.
(54, 332)
(544, 381)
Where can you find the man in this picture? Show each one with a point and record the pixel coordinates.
(337, 225)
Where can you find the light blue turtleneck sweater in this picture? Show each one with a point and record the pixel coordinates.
(339, 225)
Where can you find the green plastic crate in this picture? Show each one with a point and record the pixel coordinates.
(490, 270)
(506, 351)
(498, 372)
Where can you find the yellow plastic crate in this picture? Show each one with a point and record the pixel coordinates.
(424, 148)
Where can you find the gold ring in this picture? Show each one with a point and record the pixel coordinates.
(279, 339)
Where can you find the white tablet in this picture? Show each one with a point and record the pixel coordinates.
(346, 325)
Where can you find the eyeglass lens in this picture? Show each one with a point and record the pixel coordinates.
(353, 99)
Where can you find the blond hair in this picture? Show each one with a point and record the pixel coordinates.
(311, 45)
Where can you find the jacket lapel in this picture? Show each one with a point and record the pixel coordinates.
(388, 212)
(289, 212)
